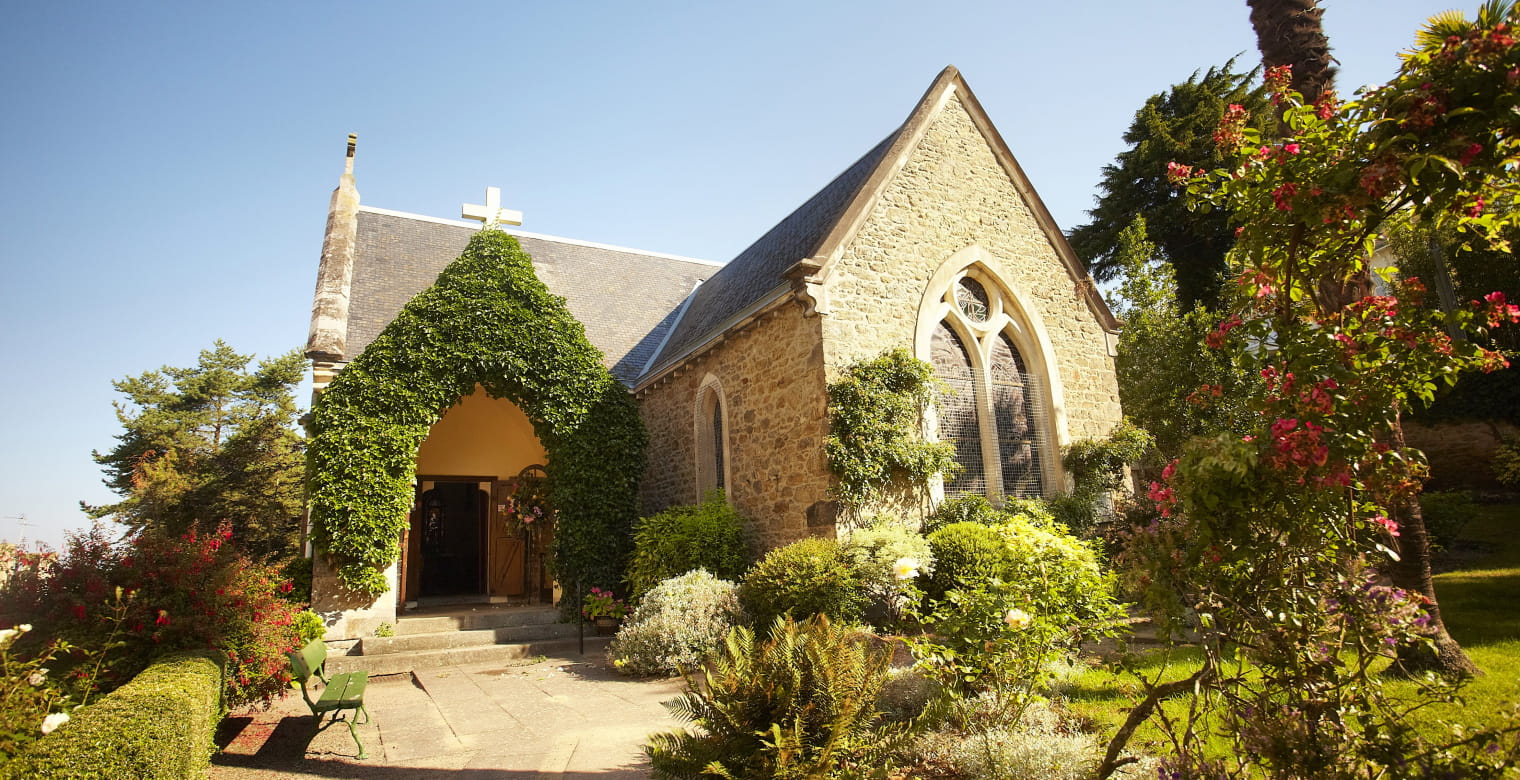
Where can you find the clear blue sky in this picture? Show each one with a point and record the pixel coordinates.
(165, 167)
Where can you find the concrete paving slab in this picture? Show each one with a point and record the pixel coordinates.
(558, 718)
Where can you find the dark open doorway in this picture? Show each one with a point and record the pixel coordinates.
(452, 521)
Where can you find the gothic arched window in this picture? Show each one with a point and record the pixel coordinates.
(711, 433)
(992, 410)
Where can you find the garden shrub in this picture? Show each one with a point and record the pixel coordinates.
(1039, 745)
(1055, 573)
(677, 625)
(707, 536)
(309, 626)
(805, 578)
(1446, 513)
(154, 593)
(801, 704)
(1506, 464)
(1018, 596)
(27, 694)
(970, 508)
(965, 553)
(159, 725)
(889, 559)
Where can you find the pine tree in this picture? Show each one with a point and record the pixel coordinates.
(210, 442)
(1175, 126)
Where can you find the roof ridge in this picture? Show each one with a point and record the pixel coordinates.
(539, 236)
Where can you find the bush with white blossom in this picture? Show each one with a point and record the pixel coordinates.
(677, 624)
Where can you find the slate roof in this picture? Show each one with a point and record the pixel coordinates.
(626, 299)
(758, 270)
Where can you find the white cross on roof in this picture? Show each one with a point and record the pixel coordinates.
(492, 213)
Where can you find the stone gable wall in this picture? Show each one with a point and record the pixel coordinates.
(771, 373)
(952, 193)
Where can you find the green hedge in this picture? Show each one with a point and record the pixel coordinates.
(159, 725)
(682, 539)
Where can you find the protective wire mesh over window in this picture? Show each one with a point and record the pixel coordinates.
(957, 411)
(1014, 409)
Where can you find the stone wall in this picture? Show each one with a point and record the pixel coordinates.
(953, 193)
(771, 372)
(1459, 453)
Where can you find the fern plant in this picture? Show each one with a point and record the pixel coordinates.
(801, 704)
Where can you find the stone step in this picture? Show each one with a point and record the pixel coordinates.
(466, 619)
(450, 640)
(508, 654)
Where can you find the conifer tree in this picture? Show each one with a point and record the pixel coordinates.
(1175, 126)
(210, 442)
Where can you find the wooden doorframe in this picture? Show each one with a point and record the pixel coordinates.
(404, 591)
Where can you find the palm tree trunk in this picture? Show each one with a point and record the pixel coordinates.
(1411, 572)
(1290, 32)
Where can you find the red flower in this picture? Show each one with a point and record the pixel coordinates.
(1291, 148)
(163, 618)
(79, 612)
(1281, 195)
(1471, 153)
(287, 587)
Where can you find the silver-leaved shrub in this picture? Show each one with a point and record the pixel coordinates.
(677, 624)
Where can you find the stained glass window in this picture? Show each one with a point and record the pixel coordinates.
(957, 411)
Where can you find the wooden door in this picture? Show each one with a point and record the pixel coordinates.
(507, 547)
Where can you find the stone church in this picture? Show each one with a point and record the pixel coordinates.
(934, 240)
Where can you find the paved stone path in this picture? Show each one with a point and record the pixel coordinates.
(556, 718)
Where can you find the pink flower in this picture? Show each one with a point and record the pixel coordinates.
(1291, 148)
(1471, 153)
(1389, 525)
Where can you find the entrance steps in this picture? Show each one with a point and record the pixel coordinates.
(465, 634)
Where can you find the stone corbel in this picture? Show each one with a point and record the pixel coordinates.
(808, 286)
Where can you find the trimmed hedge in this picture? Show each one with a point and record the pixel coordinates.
(159, 725)
(808, 577)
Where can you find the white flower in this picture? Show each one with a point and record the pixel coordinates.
(54, 721)
(24, 627)
(6, 634)
(905, 568)
(37, 678)
(1016, 618)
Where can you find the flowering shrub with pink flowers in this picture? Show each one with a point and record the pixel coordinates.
(1264, 540)
(188, 592)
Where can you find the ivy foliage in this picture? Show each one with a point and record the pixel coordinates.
(490, 321)
(875, 449)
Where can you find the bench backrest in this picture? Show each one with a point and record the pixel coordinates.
(308, 660)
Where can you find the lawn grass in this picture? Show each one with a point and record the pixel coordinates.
(1480, 604)
(1481, 607)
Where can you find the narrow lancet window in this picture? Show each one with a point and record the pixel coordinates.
(957, 411)
(1014, 411)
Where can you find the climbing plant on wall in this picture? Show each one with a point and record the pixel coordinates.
(488, 320)
(876, 449)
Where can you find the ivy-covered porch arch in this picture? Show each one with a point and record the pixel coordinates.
(487, 320)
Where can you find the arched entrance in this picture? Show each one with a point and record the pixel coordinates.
(479, 527)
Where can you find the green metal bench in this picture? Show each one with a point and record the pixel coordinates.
(340, 692)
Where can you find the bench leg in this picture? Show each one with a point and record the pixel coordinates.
(355, 734)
